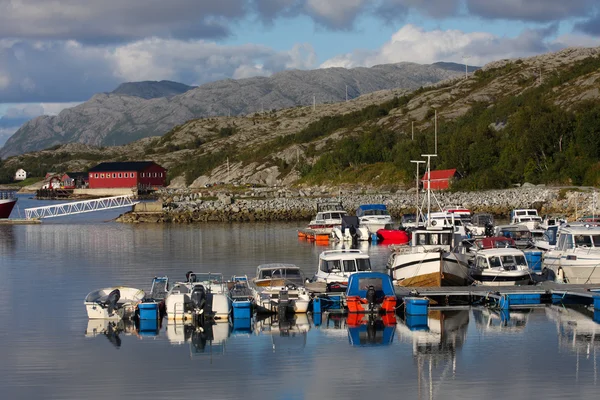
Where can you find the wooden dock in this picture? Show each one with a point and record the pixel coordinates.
(14, 221)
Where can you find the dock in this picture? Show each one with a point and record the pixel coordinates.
(14, 221)
(505, 297)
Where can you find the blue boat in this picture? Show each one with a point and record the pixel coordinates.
(370, 292)
(373, 216)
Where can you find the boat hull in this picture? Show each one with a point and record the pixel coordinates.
(6, 207)
(502, 279)
(129, 298)
(574, 268)
(428, 269)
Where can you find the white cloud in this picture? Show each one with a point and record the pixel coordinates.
(337, 13)
(415, 44)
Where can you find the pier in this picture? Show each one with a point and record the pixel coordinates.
(79, 207)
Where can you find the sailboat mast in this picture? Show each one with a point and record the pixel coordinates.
(418, 209)
(428, 156)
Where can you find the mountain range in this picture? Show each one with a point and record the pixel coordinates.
(142, 109)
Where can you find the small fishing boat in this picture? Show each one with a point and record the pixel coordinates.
(116, 302)
(373, 216)
(242, 297)
(351, 230)
(8, 199)
(329, 216)
(500, 267)
(202, 294)
(527, 217)
(576, 257)
(338, 265)
(279, 287)
(370, 292)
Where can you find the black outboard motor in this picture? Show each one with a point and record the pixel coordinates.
(371, 297)
(489, 230)
(112, 299)
(190, 276)
(198, 296)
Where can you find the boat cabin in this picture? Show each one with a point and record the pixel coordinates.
(496, 242)
(278, 274)
(344, 261)
(505, 259)
(432, 237)
(482, 219)
(372, 210)
(578, 237)
(519, 233)
(523, 215)
(359, 283)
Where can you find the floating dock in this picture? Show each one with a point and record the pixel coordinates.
(14, 221)
(505, 297)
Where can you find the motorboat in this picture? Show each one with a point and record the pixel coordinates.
(373, 216)
(576, 257)
(8, 199)
(482, 224)
(116, 302)
(279, 287)
(500, 267)
(392, 236)
(548, 240)
(519, 233)
(428, 260)
(552, 220)
(329, 216)
(351, 230)
(338, 265)
(371, 293)
(527, 217)
(203, 294)
(242, 297)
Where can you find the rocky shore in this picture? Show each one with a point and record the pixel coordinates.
(265, 204)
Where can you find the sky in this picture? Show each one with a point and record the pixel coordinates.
(57, 53)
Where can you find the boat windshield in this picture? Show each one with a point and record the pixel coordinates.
(587, 240)
(361, 264)
(507, 261)
(376, 212)
(208, 277)
(433, 238)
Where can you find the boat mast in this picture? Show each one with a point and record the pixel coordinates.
(417, 192)
(428, 156)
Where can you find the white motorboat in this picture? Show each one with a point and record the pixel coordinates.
(519, 233)
(552, 220)
(527, 217)
(329, 216)
(113, 303)
(576, 257)
(548, 239)
(428, 260)
(500, 267)
(202, 293)
(279, 287)
(338, 265)
(351, 230)
(373, 216)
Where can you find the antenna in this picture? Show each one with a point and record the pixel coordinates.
(428, 156)
(417, 192)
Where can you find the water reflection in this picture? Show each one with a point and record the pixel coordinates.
(489, 320)
(7, 239)
(288, 331)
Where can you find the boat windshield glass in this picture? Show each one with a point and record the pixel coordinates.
(550, 235)
(596, 240)
(376, 212)
(364, 283)
(495, 262)
(532, 212)
(349, 266)
(583, 241)
(329, 266)
(520, 261)
(363, 264)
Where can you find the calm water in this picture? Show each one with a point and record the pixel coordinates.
(48, 349)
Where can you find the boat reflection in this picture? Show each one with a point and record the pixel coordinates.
(287, 331)
(498, 321)
(209, 338)
(435, 339)
(7, 239)
(371, 330)
(576, 328)
(110, 329)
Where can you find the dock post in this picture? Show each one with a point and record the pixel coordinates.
(596, 303)
(504, 302)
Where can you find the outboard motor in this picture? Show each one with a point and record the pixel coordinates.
(371, 297)
(284, 300)
(489, 230)
(190, 276)
(198, 296)
(112, 299)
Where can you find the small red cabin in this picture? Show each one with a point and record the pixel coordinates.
(440, 180)
(130, 174)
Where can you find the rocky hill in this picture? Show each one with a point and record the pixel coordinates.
(504, 125)
(135, 110)
(151, 89)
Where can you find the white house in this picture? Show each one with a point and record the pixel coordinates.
(20, 175)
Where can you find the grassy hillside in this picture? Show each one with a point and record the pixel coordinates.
(503, 125)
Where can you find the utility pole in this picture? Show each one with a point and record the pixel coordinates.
(428, 156)
(346, 93)
(417, 192)
(465, 58)
(435, 132)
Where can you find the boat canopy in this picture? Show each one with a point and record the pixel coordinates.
(496, 242)
(289, 272)
(371, 209)
(359, 283)
(330, 206)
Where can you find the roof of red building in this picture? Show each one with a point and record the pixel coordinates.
(122, 166)
(441, 174)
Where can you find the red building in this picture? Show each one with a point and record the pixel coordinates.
(440, 180)
(131, 174)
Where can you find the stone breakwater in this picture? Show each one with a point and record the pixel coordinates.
(185, 206)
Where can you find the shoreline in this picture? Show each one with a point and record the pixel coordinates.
(185, 206)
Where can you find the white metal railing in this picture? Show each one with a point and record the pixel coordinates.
(79, 207)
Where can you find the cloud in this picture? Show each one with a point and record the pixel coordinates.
(338, 14)
(391, 10)
(590, 26)
(414, 44)
(69, 71)
(530, 10)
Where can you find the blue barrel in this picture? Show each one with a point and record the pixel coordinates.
(242, 309)
(148, 311)
(416, 305)
(534, 259)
